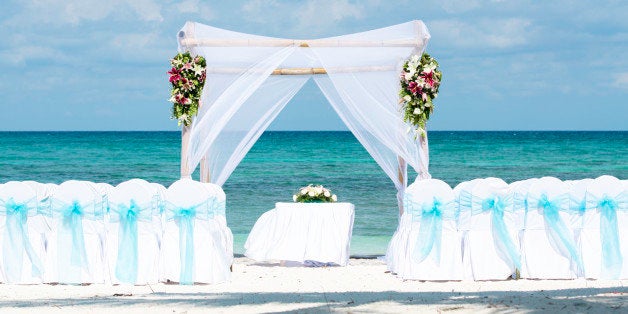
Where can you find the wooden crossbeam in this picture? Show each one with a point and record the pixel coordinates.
(208, 42)
(305, 71)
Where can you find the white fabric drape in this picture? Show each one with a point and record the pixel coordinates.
(241, 99)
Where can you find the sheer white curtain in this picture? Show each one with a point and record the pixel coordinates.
(368, 101)
(241, 98)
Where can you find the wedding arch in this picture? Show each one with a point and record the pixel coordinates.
(251, 78)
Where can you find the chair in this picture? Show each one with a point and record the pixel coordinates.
(462, 194)
(548, 245)
(426, 245)
(604, 231)
(221, 219)
(490, 241)
(76, 245)
(23, 246)
(132, 236)
(193, 247)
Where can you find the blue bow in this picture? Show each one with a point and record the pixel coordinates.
(430, 231)
(127, 261)
(558, 229)
(501, 236)
(17, 242)
(185, 216)
(611, 254)
(73, 220)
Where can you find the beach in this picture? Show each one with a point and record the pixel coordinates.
(364, 286)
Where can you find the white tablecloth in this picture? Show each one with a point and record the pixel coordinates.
(303, 232)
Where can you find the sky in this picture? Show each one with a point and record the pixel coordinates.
(507, 65)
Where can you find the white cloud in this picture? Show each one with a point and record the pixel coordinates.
(492, 33)
(327, 13)
(621, 81)
(313, 17)
(196, 7)
(74, 12)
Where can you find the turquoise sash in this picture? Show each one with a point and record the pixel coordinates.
(431, 215)
(72, 216)
(16, 241)
(128, 216)
(185, 217)
(557, 230)
(612, 258)
(502, 240)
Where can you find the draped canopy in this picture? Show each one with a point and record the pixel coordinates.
(358, 74)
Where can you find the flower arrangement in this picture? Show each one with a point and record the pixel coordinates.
(311, 194)
(187, 77)
(420, 79)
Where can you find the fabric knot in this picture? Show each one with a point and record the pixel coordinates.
(548, 206)
(131, 212)
(607, 205)
(186, 212)
(435, 209)
(494, 204)
(14, 208)
(75, 209)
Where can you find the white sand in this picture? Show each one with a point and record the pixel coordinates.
(362, 287)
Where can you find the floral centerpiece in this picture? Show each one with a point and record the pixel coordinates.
(187, 77)
(313, 194)
(420, 79)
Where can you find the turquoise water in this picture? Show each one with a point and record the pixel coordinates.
(281, 162)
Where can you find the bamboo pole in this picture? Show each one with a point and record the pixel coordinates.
(212, 42)
(402, 172)
(185, 141)
(304, 71)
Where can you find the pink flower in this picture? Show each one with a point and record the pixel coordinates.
(174, 75)
(413, 87)
(428, 77)
(179, 98)
(424, 97)
(187, 84)
(187, 66)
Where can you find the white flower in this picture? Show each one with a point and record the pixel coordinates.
(198, 70)
(311, 193)
(327, 194)
(318, 190)
(183, 117)
(415, 59)
(408, 76)
(429, 68)
(294, 198)
(334, 198)
(407, 98)
(303, 191)
(417, 111)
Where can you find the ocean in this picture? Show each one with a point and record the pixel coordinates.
(281, 162)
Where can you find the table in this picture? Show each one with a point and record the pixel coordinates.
(302, 232)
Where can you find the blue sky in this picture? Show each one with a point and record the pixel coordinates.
(508, 65)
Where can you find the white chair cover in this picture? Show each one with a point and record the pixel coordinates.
(301, 232)
(604, 233)
(426, 245)
(132, 236)
(491, 233)
(23, 244)
(75, 252)
(462, 194)
(548, 245)
(193, 246)
(221, 198)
